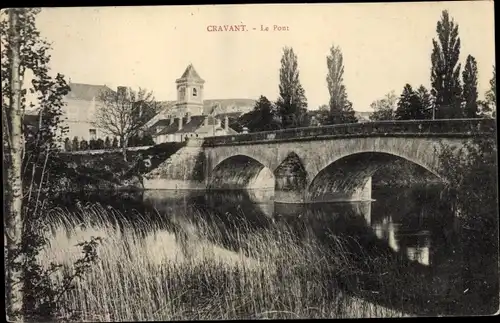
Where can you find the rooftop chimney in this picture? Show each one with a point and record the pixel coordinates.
(205, 122)
(180, 123)
(172, 119)
(226, 123)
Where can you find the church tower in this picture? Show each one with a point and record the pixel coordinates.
(189, 93)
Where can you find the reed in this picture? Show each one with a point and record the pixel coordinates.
(176, 269)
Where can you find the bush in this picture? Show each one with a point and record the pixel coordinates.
(107, 143)
(471, 187)
(99, 144)
(75, 144)
(92, 144)
(147, 140)
(67, 144)
(84, 145)
(115, 143)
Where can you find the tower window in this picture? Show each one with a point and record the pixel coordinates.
(195, 92)
(182, 93)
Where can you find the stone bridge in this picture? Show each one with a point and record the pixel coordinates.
(316, 163)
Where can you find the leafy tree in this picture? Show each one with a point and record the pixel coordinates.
(114, 143)
(99, 144)
(445, 71)
(124, 113)
(84, 145)
(147, 140)
(322, 115)
(75, 144)
(262, 117)
(32, 164)
(384, 109)
(489, 106)
(469, 77)
(67, 144)
(92, 144)
(292, 102)
(107, 143)
(426, 100)
(491, 94)
(471, 185)
(410, 106)
(341, 110)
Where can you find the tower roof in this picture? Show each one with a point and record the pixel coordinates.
(190, 74)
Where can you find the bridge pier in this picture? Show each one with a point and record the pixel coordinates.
(290, 179)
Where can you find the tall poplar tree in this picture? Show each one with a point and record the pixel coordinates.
(445, 73)
(491, 96)
(469, 77)
(341, 110)
(292, 103)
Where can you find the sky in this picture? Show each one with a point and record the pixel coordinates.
(384, 46)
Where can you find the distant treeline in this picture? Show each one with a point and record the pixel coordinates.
(107, 143)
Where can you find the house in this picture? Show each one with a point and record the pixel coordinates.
(177, 129)
(193, 117)
(80, 110)
(363, 116)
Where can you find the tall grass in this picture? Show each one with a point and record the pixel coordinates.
(176, 269)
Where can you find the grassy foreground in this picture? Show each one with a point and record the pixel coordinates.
(175, 270)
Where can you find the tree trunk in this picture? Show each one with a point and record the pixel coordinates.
(124, 148)
(13, 223)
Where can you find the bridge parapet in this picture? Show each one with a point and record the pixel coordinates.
(411, 128)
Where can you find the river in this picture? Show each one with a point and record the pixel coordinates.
(412, 225)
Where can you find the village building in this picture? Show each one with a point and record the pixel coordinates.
(82, 103)
(78, 112)
(193, 117)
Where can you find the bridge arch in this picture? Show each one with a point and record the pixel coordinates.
(346, 177)
(240, 172)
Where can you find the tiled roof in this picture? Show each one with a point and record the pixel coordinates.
(85, 92)
(161, 123)
(191, 126)
(190, 74)
(169, 129)
(196, 125)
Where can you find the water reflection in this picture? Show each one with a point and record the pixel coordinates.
(411, 226)
(410, 223)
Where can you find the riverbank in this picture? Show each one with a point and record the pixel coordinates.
(107, 170)
(178, 271)
(166, 265)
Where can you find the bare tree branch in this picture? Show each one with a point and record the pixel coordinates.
(123, 113)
